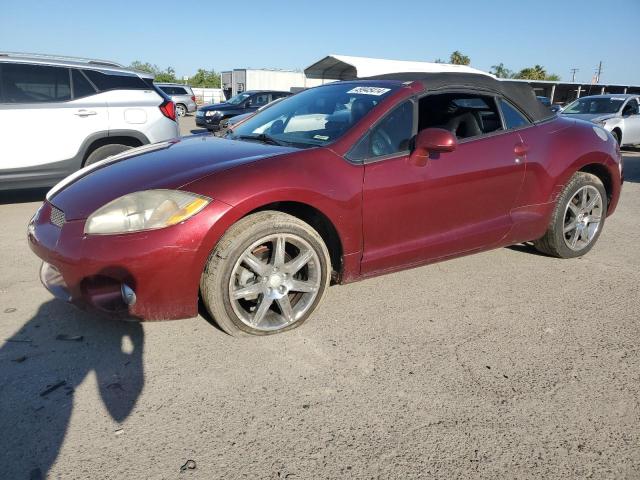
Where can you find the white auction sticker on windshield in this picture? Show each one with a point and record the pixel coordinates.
(377, 91)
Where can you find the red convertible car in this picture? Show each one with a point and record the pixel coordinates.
(338, 183)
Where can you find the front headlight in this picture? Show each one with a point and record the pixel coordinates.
(211, 113)
(146, 210)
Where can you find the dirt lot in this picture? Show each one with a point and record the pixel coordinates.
(506, 364)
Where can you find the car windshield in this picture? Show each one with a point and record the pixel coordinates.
(594, 105)
(238, 99)
(317, 116)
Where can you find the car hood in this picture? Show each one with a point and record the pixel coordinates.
(219, 106)
(590, 117)
(167, 165)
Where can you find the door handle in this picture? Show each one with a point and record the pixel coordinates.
(520, 149)
(85, 113)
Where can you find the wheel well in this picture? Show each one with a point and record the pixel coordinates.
(101, 142)
(318, 221)
(602, 173)
(619, 132)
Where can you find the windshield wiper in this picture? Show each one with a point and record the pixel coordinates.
(262, 137)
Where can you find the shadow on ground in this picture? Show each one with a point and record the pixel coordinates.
(40, 371)
(22, 196)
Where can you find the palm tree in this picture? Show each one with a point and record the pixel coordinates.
(501, 71)
(457, 58)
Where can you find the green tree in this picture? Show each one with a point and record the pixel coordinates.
(167, 76)
(205, 78)
(143, 67)
(537, 72)
(457, 58)
(501, 71)
(438, 60)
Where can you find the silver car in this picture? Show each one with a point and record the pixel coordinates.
(618, 114)
(181, 95)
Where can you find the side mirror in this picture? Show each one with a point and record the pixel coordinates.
(434, 140)
(247, 104)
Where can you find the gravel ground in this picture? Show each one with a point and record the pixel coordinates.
(505, 364)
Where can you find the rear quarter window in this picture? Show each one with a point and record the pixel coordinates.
(512, 117)
(115, 81)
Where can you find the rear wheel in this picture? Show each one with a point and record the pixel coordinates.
(105, 151)
(181, 110)
(266, 275)
(578, 218)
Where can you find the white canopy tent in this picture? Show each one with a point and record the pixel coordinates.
(343, 67)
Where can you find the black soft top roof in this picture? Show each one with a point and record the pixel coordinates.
(519, 93)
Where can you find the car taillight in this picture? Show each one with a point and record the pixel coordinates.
(193, 98)
(168, 109)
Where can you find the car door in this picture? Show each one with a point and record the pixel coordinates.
(631, 116)
(43, 126)
(418, 211)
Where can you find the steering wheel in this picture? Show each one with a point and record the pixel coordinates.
(381, 143)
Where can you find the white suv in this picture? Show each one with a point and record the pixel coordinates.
(58, 114)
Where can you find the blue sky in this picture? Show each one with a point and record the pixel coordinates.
(559, 35)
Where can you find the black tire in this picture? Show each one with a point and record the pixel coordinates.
(616, 135)
(105, 151)
(216, 277)
(181, 110)
(553, 243)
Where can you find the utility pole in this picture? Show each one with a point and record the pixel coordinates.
(573, 74)
(599, 72)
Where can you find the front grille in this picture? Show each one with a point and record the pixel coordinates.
(57, 216)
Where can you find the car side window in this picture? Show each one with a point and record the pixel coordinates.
(631, 108)
(466, 115)
(260, 100)
(391, 135)
(34, 83)
(81, 86)
(512, 117)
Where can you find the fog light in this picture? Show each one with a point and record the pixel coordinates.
(128, 295)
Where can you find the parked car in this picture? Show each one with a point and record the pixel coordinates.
(229, 123)
(210, 116)
(181, 95)
(58, 114)
(338, 183)
(556, 108)
(618, 114)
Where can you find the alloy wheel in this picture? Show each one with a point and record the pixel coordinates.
(582, 218)
(274, 282)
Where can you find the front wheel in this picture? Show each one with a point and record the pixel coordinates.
(267, 275)
(577, 220)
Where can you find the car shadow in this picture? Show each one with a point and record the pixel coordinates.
(22, 196)
(199, 131)
(631, 164)
(526, 248)
(42, 365)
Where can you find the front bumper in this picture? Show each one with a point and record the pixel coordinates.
(212, 123)
(149, 275)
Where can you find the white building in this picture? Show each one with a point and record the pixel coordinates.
(242, 79)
